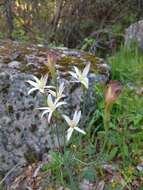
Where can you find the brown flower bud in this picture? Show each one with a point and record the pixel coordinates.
(113, 91)
(52, 60)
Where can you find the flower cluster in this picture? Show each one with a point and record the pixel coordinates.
(55, 96)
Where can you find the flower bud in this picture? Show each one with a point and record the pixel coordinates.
(113, 91)
(52, 59)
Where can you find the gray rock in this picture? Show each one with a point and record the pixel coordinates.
(24, 136)
(134, 33)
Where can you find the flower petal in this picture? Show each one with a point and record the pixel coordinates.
(32, 83)
(61, 89)
(36, 79)
(78, 72)
(80, 130)
(44, 112)
(43, 108)
(50, 102)
(49, 116)
(86, 70)
(44, 79)
(52, 87)
(85, 82)
(52, 93)
(60, 103)
(32, 90)
(68, 120)
(74, 116)
(77, 117)
(69, 133)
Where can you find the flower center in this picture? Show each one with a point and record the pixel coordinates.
(73, 124)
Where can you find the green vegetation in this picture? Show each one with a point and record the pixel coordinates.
(127, 65)
(112, 146)
(123, 150)
(110, 155)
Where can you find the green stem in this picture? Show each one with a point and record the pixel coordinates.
(55, 82)
(84, 102)
(107, 115)
(52, 134)
(58, 137)
(64, 139)
(83, 107)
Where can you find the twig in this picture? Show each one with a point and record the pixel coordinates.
(37, 170)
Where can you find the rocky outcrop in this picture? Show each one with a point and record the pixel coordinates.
(134, 33)
(24, 136)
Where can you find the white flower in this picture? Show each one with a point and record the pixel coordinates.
(39, 84)
(52, 106)
(73, 124)
(81, 76)
(59, 93)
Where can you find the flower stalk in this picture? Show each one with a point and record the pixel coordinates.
(107, 115)
(111, 95)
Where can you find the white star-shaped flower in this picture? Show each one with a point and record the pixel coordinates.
(81, 76)
(39, 84)
(59, 93)
(52, 106)
(72, 123)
